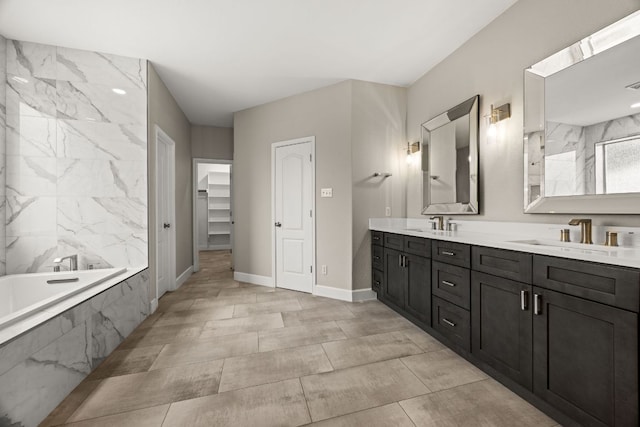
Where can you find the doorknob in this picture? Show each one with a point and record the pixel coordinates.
(166, 225)
(277, 224)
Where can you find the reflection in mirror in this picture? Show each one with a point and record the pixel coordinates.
(450, 161)
(582, 125)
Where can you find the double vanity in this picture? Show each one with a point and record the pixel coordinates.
(556, 322)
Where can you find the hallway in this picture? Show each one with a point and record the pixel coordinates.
(224, 353)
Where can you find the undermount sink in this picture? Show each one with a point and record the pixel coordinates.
(571, 247)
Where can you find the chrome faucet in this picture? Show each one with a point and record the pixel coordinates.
(73, 262)
(440, 221)
(585, 229)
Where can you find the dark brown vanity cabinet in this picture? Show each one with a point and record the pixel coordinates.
(407, 275)
(377, 260)
(585, 353)
(565, 331)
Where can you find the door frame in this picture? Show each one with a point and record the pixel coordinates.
(274, 146)
(196, 248)
(161, 137)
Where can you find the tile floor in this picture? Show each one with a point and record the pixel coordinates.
(222, 353)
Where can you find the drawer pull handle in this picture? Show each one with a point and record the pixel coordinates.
(376, 258)
(376, 238)
(524, 298)
(400, 264)
(449, 322)
(444, 282)
(448, 253)
(377, 283)
(536, 304)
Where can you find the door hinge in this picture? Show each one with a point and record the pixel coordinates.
(311, 269)
(311, 157)
(310, 214)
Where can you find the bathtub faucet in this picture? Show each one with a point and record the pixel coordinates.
(73, 262)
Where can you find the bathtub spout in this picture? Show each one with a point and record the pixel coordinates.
(73, 262)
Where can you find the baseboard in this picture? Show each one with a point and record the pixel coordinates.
(254, 279)
(344, 294)
(203, 247)
(184, 276)
(154, 305)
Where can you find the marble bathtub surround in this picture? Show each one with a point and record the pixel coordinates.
(263, 372)
(40, 368)
(3, 150)
(76, 152)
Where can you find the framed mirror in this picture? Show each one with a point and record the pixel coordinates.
(450, 161)
(582, 125)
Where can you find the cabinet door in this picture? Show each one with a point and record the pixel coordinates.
(586, 359)
(501, 325)
(394, 278)
(417, 301)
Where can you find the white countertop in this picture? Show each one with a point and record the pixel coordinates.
(525, 237)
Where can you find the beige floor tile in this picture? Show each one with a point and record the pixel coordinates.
(354, 389)
(311, 301)
(123, 362)
(278, 404)
(382, 416)
(369, 349)
(195, 316)
(278, 295)
(159, 335)
(202, 303)
(150, 320)
(371, 308)
(70, 404)
(243, 290)
(443, 369)
(239, 325)
(423, 340)
(185, 304)
(206, 349)
(137, 391)
(484, 403)
(273, 366)
(359, 327)
(319, 314)
(244, 310)
(148, 417)
(276, 339)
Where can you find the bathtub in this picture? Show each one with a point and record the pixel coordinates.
(23, 295)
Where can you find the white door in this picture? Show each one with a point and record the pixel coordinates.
(293, 194)
(165, 207)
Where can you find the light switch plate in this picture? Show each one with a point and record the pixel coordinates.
(326, 192)
(387, 211)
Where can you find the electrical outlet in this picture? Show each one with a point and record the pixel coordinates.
(387, 211)
(324, 270)
(326, 192)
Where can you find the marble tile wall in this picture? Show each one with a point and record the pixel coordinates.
(76, 152)
(40, 368)
(3, 125)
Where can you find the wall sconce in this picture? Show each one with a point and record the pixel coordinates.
(412, 147)
(497, 114)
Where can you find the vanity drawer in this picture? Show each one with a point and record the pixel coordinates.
(611, 285)
(377, 277)
(451, 283)
(502, 263)
(417, 246)
(394, 241)
(452, 322)
(377, 257)
(451, 253)
(377, 238)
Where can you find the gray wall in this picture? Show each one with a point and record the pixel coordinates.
(491, 64)
(211, 142)
(165, 112)
(326, 114)
(378, 144)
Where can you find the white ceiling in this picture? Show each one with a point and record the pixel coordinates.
(222, 56)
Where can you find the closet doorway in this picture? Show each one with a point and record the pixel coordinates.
(212, 207)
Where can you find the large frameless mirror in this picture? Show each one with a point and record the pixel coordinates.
(450, 161)
(582, 125)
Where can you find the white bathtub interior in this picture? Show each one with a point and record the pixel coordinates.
(22, 295)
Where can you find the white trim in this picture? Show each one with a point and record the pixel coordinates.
(184, 276)
(254, 279)
(344, 294)
(196, 248)
(161, 137)
(154, 305)
(312, 141)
